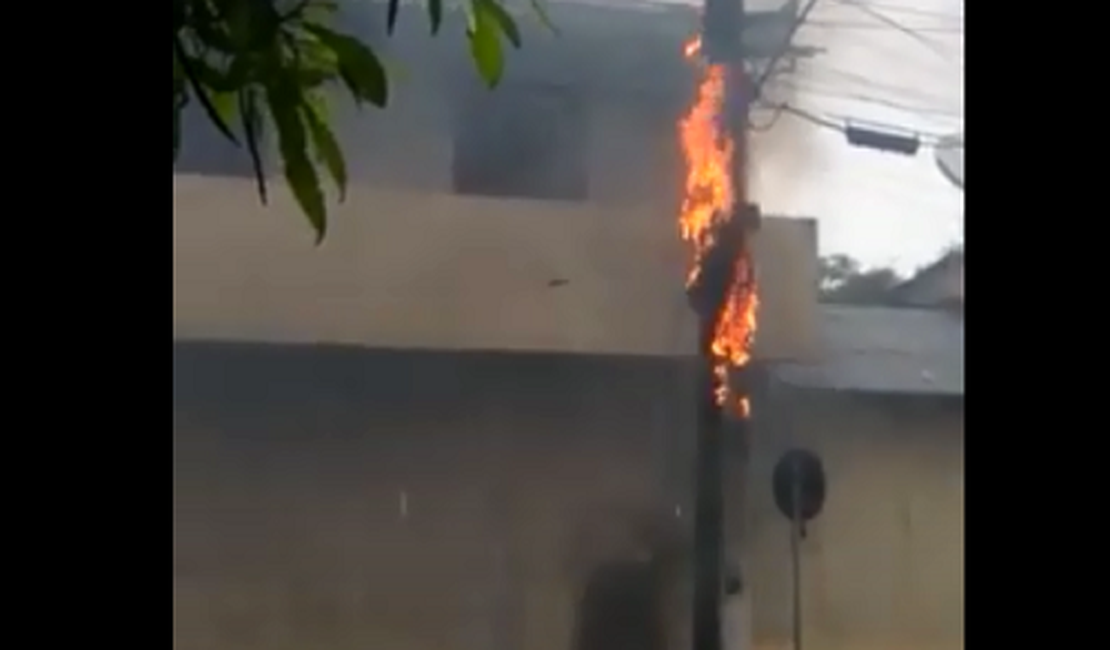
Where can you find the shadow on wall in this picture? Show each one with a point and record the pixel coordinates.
(621, 609)
(331, 390)
(633, 596)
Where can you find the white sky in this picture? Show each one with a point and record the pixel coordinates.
(883, 209)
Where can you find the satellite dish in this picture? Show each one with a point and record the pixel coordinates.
(950, 158)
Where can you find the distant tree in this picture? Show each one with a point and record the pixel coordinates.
(843, 280)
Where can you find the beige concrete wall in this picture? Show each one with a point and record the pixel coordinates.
(431, 270)
(340, 498)
(330, 499)
(883, 565)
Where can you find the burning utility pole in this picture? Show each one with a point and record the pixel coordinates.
(717, 220)
(708, 297)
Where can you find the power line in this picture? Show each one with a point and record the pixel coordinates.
(767, 71)
(915, 32)
(845, 125)
(882, 101)
(868, 82)
(897, 8)
(864, 133)
(770, 124)
(898, 26)
(923, 29)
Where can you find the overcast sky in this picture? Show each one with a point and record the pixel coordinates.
(883, 209)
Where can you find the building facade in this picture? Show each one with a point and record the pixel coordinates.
(444, 426)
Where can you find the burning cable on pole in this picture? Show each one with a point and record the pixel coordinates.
(721, 278)
(715, 213)
(717, 222)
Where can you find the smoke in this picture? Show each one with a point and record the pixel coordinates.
(783, 152)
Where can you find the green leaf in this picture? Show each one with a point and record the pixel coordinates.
(240, 71)
(253, 25)
(251, 119)
(318, 63)
(391, 16)
(213, 78)
(485, 43)
(199, 90)
(327, 148)
(305, 184)
(359, 67)
(225, 105)
(435, 14)
(317, 9)
(541, 13)
(503, 20)
(208, 28)
(285, 100)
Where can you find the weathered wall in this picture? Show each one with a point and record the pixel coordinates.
(440, 271)
(330, 498)
(883, 565)
(333, 498)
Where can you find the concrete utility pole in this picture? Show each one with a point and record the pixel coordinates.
(707, 297)
(721, 44)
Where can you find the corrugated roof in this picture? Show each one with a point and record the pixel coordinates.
(886, 350)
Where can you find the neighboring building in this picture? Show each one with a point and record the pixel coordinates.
(883, 564)
(941, 284)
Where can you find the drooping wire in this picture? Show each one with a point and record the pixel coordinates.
(897, 8)
(770, 68)
(917, 29)
(777, 112)
(924, 111)
(840, 124)
(858, 79)
(898, 26)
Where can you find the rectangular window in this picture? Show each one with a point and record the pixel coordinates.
(522, 141)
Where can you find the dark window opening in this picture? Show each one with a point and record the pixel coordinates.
(520, 141)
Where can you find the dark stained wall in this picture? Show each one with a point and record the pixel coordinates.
(338, 498)
(332, 497)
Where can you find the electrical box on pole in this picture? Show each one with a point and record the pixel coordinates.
(882, 140)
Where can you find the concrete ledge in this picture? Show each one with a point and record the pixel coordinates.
(441, 271)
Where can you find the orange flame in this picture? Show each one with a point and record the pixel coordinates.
(708, 198)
